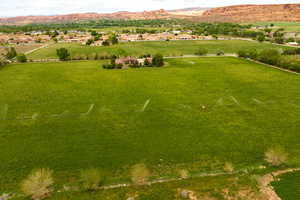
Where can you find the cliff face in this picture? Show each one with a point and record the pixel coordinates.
(254, 13)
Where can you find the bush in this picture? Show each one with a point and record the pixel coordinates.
(269, 56)
(276, 156)
(77, 57)
(89, 42)
(290, 40)
(140, 174)
(21, 58)
(279, 40)
(63, 54)
(105, 43)
(261, 38)
(38, 184)
(90, 179)
(228, 167)
(184, 174)
(158, 60)
(293, 51)
(201, 52)
(248, 54)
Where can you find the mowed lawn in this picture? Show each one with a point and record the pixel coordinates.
(171, 48)
(198, 112)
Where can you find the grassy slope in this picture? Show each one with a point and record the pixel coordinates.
(172, 48)
(288, 188)
(174, 129)
(23, 48)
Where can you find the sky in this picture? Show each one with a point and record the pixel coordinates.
(10, 8)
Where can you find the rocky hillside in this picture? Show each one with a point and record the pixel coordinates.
(254, 13)
(241, 13)
(157, 14)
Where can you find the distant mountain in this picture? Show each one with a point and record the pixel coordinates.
(240, 13)
(157, 14)
(253, 13)
(190, 9)
(197, 11)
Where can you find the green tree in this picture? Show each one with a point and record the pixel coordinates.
(89, 42)
(261, 38)
(158, 60)
(269, 56)
(201, 51)
(63, 54)
(21, 58)
(113, 39)
(105, 43)
(94, 33)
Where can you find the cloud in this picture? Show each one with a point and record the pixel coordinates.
(52, 7)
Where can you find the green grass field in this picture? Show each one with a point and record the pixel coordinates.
(288, 26)
(288, 187)
(172, 48)
(193, 113)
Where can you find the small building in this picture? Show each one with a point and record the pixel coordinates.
(132, 61)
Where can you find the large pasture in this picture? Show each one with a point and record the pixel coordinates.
(171, 48)
(195, 113)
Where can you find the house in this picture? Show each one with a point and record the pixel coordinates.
(132, 61)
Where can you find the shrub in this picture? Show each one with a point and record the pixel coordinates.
(261, 38)
(276, 156)
(248, 54)
(77, 57)
(201, 52)
(158, 60)
(269, 56)
(63, 54)
(139, 174)
(38, 184)
(93, 56)
(279, 40)
(113, 39)
(89, 42)
(228, 167)
(242, 54)
(184, 174)
(21, 58)
(105, 43)
(290, 40)
(293, 51)
(90, 179)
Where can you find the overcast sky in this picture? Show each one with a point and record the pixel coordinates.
(9, 8)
